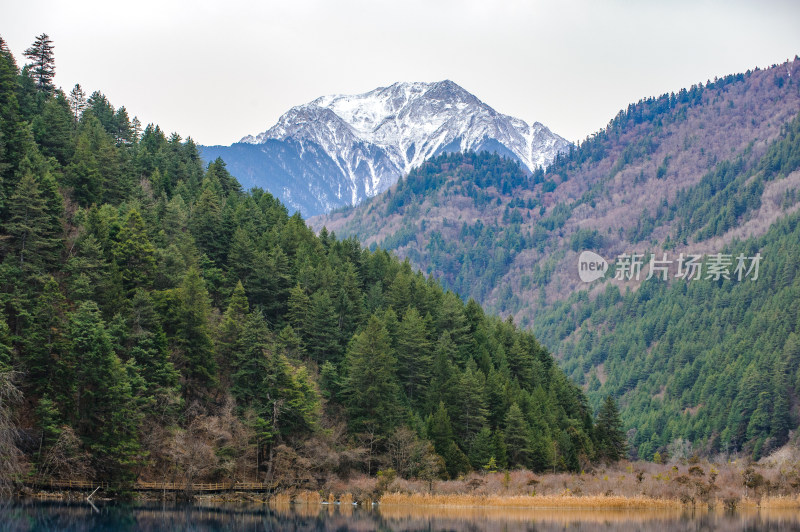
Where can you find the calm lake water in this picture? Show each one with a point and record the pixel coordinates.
(47, 516)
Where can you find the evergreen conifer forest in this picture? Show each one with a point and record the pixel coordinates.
(160, 323)
(708, 367)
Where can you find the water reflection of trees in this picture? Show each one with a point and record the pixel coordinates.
(80, 517)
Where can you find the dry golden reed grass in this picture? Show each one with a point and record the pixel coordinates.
(281, 499)
(527, 501)
(776, 502)
(308, 497)
(565, 516)
(346, 498)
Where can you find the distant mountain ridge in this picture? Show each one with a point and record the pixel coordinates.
(338, 150)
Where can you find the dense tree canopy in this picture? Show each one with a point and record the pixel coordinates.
(165, 322)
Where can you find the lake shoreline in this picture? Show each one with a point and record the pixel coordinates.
(697, 484)
(210, 515)
(426, 500)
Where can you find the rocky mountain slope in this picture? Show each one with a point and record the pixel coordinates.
(619, 186)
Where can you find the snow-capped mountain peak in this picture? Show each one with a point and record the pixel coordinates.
(371, 139)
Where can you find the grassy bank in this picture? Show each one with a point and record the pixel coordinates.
(724, 485)
(527, 501)
(729, 484)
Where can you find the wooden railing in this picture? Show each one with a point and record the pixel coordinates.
(70, 484)
(155, 486)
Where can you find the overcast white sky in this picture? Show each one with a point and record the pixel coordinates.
(219, 70)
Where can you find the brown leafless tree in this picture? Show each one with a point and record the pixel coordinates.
(11, 458)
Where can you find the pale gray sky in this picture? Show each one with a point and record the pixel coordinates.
(219, 70)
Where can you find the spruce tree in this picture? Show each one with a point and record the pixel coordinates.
(439, 429)
(194, 335)
(275, 277)
(44, 342)
(440, 388)
(291, 344)
(230, 331)
(322, 335)
(468, 400)
(92, 277)
(250, 364)
(77, 101)
(371, 390)
(134, 254)
(451, 318)
(49, 420)
(43, 66)
(611, 441)
(12, 130)
(440, 432)
(84, 173)
(348, 303)
(241, 257)
(149, 347)
(53, 129)
(33, 237)
(516, 434)
(414, 356)
(206, 225)
(108, 421)
(481, 449)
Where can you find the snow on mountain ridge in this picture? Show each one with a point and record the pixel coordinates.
(409, 114)
(374, 138)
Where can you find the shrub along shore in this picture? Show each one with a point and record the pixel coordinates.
(626, 485)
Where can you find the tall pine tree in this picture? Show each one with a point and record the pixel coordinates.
(371, 389)
(42, 65)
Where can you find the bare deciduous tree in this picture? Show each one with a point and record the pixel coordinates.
(11, 458)
(65, 459)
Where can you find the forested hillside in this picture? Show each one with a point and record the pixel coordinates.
(706, 365)
(160, 323)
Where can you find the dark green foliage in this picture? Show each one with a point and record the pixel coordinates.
(414, 355)
(105, 412)
(467, 398)
(134, 254)
(43, 66)
(249, 362)
(164, 293)
(148, 346)
(96, 172)
(481, 450)
(44, 342)
(371, 390)
(230, 331)
(440, 431)
(702, 361)
(517, 438)
(12, 131)
(207, 225)
(322, 334)
(49, 421)
(32, 224)
(611, 443)
(53, 129)
(729, 348)
(193, 334)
